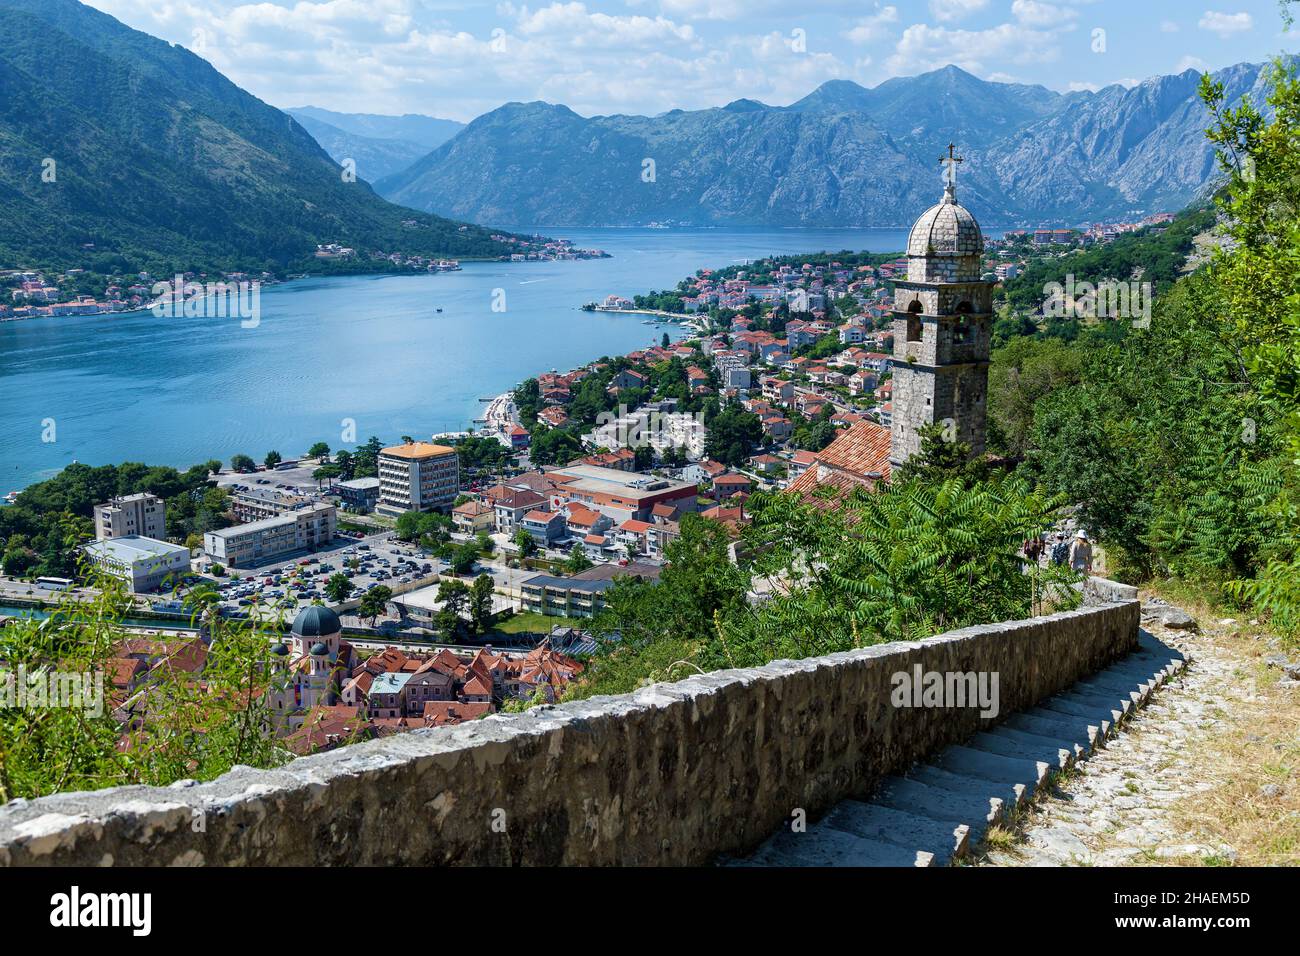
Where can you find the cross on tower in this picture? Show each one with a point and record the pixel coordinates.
(950, 174)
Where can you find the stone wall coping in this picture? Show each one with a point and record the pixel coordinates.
(67, 827)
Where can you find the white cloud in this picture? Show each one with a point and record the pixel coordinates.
(1079, 87)
(1225, 24)
(1035, 14)
(873, 27)
(946, 11)
(1168, 26)
(923, 47)
(1190, 62)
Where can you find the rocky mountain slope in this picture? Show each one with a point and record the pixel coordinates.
(122, 152)
(841, 156)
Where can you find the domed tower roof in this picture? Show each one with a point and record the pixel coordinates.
(316, 620)
(319, 649)
(947, 229)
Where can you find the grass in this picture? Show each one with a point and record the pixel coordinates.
(532, 622)
(1254, 761)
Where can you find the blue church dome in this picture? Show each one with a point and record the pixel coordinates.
(316, 620)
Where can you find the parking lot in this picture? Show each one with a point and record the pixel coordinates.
(289, 584)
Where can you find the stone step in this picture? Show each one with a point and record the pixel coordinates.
(1131, 695)
(1089, 706)
(1047, 748)
(943, 839)
(1011, 794)
(1087, 733)
(1056, 758)
(979, 763)
(826, 846)
(973, 807)
(941, 808)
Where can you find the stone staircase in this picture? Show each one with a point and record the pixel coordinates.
(941, 809)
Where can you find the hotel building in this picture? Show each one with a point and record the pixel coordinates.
(256, 543)
(143, 514)
(417, 476)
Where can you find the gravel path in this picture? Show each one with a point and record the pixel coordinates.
(1121, 806)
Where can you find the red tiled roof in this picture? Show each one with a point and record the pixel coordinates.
(858, 458)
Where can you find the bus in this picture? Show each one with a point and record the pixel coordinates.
(56, 584)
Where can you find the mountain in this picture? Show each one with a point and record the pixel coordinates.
(372, 158)
(427, 131)
(379, 145)
(120, 151)
(842, 156)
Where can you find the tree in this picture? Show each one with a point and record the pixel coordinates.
(346, 465)
(663, 342)
(463, 558)
(374, 603)
(480, 603)
(272, 459)
(526, 543)
(325, 473)
(940, 458)
(485, 543)
(339, 587)
(577, 560)
(242, 464)
(319, 451)
(453, 595)
(733, 434)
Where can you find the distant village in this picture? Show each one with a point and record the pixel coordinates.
(30, 294)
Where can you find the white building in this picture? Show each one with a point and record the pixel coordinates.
(143, 514)
(650, 427)
(255, 543)
(417, 476)
(143, 563)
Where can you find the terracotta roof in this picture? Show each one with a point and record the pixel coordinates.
(417, 449)
(438, 713)
(858, 458)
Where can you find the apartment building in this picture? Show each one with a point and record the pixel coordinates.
(256, 543)
(143, 563)
(618, 494)
(417, 476)
(256, 504)
(143, 514)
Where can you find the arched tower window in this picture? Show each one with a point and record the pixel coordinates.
(914, 321)
(963, 333)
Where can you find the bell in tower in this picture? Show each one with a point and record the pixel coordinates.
(942, 322)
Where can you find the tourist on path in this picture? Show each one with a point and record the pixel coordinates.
(1081, 553)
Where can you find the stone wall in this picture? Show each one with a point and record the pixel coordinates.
(673, 774)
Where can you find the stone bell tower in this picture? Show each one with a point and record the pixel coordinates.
(942, 322)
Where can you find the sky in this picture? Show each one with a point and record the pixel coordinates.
(459, 58)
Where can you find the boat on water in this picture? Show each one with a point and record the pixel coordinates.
(10, 498)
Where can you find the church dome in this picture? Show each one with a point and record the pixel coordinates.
(319, 650)
(947, 229)
(316, 620)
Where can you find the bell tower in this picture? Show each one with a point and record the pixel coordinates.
(942, 322)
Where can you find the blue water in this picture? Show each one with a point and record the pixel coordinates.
(369, 349)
